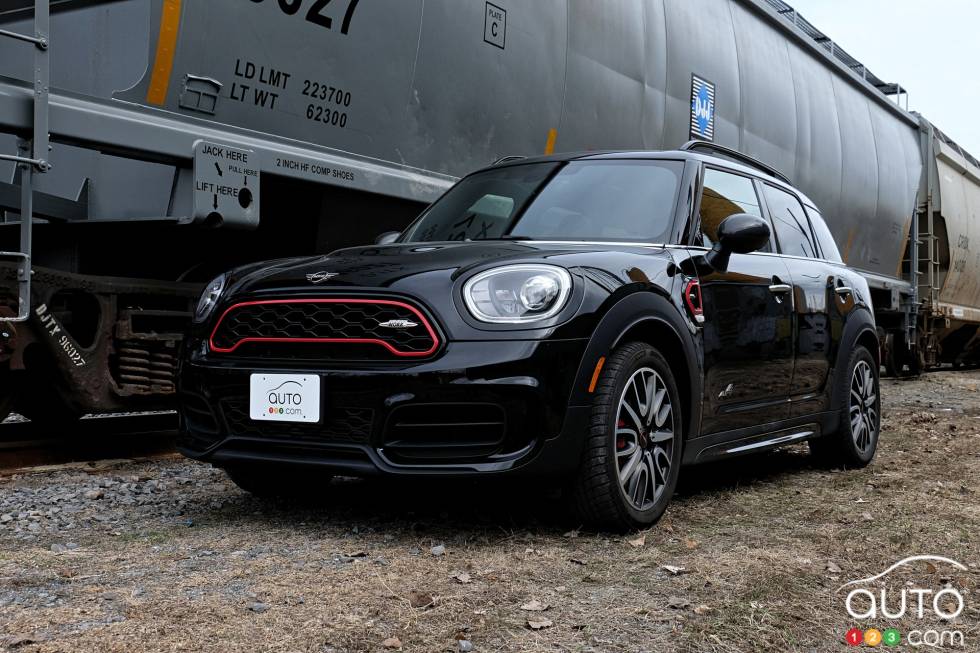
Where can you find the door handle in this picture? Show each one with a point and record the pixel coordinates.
(780, 289)
(844, 290)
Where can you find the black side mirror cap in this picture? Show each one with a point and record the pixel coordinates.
(740, 233)
(387, 238)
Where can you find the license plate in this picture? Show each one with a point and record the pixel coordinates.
(284, 397)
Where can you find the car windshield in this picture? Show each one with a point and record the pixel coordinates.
(625, 200)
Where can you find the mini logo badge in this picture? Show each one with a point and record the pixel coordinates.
(320, 277)
(398, 324)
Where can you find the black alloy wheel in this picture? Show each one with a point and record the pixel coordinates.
(632, 455)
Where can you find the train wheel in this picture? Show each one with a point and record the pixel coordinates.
(890, 357)
(898, 359)
(45, 406)
(51, 416)
(7, 396)
(8, 377)
(40, 397)
(918, 360)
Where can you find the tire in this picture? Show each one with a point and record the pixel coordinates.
(267, 482)
(599, 495)
(856, 439)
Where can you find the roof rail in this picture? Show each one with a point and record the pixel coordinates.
(691, 146)
(505, 159)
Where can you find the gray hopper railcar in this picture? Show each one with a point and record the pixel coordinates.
(187, 136)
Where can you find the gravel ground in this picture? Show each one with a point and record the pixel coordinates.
(167, 555)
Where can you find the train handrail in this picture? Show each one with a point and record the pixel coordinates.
(31, 154)
(740, 157)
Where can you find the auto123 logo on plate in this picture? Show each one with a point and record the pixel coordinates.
(918, 602)
(284, 397)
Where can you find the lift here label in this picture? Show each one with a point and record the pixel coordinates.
(226, 184)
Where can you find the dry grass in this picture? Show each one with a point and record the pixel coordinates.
(755, 538)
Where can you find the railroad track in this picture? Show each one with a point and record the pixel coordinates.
(97, 437)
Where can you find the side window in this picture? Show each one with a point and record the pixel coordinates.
(725, 194)
(790, 222)
(828, 248)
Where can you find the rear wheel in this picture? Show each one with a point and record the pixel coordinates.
(856, 440)
(632, 456)
(269, 481)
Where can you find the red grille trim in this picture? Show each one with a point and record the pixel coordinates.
(336, 300)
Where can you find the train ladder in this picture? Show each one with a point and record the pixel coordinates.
(32, 155)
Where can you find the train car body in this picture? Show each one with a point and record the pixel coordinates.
(949, 270)
(188, 136)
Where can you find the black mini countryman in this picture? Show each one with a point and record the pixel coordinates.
(601, 318)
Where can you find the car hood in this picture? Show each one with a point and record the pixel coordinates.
(385, 266)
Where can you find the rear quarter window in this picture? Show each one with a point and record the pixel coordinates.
(825, 240)
(790, 222)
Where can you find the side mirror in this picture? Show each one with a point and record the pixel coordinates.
(740, 233)
(387, 238)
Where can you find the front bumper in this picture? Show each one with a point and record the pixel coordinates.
(479, 408)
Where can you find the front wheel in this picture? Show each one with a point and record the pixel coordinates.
(856, 439)
(632, 455)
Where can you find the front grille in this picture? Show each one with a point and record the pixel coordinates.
(366, 328)
(345, 425)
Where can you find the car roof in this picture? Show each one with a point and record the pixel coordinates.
(672, 155)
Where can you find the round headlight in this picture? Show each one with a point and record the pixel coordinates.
(209, 298)
(539, 292)
(516, 294)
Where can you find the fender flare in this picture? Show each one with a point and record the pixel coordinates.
(633, 311)
(859, 323)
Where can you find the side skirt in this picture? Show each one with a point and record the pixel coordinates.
(757, 439)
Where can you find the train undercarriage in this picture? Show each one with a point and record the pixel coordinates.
(92, 345)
